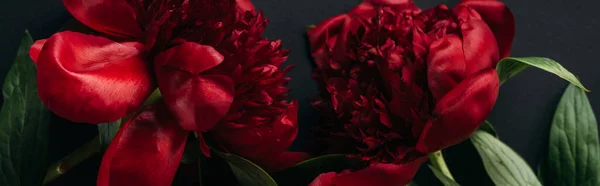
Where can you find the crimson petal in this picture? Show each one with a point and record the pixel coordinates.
(264, 144)
(446, 65)
(374, 175)
(499, 18)
(92, 79)
(460, 112)
(479, 44)
(36, 48)
(245, 5)
(146, 151)
(199, 101)
(328, 29)
(113, 17)
(402, 4)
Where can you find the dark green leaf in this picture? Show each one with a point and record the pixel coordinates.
(305, 172)
(107, 131)
(502, 164)
(23, 124)
(574, 150)
(413, 183)
(191, 153)
(489, 128)
(246, 172)
(511, 66)
(443, 178)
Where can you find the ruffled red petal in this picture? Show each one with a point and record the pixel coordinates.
(374, 175)
(263, 144)
(146, 151)
(112, 17)
(321, 35)
(460, 112)
(92, 79)
(446, 65)
(199, 101)
(499, 18)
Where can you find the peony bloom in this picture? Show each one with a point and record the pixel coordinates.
(106, 75)
(216, 73)
(400, 83)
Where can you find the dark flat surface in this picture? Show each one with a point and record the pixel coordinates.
(566, 31)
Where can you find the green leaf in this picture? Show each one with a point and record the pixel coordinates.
(413, 183)
(107, 131)
(246, 172)
(503, 165)
(192, 153)
(305, 172)
(511, 66)
(23, 124)
(443, 178)
(489, 128)
(574, 150)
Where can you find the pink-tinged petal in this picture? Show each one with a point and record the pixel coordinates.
(445, 65)
(374, 175)
(92, 79)
(146, 151)
(36, 48)
(261, 144)
(245, 5)
(479, 44)
(198, 101)
(499, 18)
(113, 17)
(460, 112)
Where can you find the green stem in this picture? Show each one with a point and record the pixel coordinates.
(75, 158)
(437, 160)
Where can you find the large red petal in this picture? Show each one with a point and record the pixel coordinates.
(445, 65)
(146, 151)
(245, 5)
(374, 175)
(198, 101)
(262, 144)
(92, 79)
(479, 44)
(36, 48)
(113, 17)
(460, 112)
(499, 18)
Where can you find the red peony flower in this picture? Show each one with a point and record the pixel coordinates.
(210, 62)
(107, 75)
(401, 83)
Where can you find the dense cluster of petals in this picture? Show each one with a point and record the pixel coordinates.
(400, 82)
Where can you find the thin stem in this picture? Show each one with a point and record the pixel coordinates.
(437, 160)
(201, 171)
(75, 158)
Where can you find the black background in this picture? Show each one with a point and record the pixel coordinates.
(566, 31)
